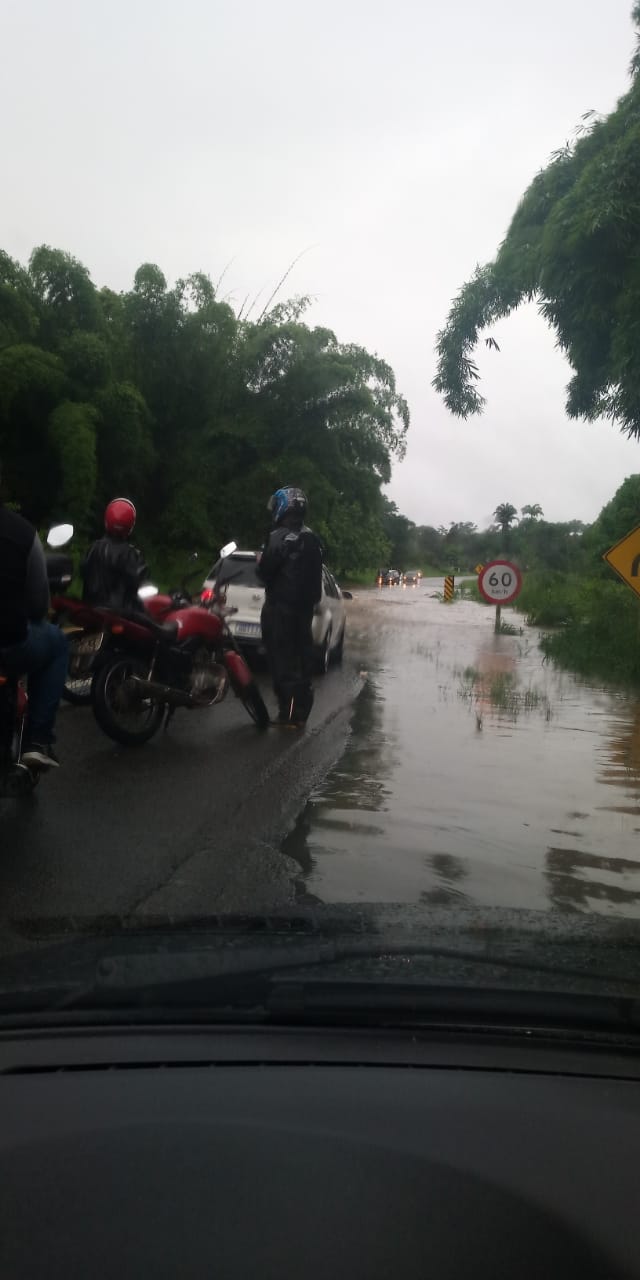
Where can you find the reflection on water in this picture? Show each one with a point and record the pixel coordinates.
(356, 788)
(573, 886)
(448, 872)
(524, 791)
(619, 758)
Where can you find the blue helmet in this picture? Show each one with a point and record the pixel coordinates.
(287, 501)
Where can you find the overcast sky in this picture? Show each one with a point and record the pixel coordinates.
(392, 141)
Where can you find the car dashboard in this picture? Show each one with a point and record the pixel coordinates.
(204, 1151)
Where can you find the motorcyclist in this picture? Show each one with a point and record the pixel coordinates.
(30, 644)
(113, 568)
(291, 568)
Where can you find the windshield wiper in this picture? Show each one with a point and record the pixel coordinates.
(291, 983)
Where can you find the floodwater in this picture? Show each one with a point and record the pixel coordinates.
(476, 773)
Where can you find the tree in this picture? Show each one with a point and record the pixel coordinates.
(572, 247)
(399, 532)
(617, 518)
(505, 514)
(73, 433)
(533, 511)
(67, 297)
(168, 395)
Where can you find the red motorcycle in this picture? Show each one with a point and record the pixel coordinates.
(171, 654)
(84, 628)
(16, 778)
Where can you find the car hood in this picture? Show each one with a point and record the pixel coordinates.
(472, 948)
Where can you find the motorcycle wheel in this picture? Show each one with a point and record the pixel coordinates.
(254, 703)
(122, 714)
(17, 781)
(77, 689)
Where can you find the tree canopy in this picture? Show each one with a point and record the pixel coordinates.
(505, 514)
(165, 394)
(572, 247)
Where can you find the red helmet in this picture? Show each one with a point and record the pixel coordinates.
(120, 517)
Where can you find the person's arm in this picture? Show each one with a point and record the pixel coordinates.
(317, 560)
(36, 586)
(272, 557)
(139, 567)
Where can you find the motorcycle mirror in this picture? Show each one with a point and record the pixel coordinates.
(228, 550)
(147, 591)
(347, 595)
(59, 534)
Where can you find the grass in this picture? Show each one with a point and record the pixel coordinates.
(501, 691)
(594, 624)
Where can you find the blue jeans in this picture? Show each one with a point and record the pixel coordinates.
(43, 658)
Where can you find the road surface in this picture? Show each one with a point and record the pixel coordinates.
(191, 823)
(443, 767)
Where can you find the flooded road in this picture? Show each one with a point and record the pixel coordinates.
(475, 773)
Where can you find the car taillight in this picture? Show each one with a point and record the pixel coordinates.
(207, 595)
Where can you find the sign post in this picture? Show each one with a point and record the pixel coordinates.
(499, 582)
(449, 588)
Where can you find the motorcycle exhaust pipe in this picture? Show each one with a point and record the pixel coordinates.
(161, 692)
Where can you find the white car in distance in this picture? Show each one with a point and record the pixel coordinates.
(236, 572)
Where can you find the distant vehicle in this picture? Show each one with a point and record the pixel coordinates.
(388, 578)
(245, 594)
(411, 578)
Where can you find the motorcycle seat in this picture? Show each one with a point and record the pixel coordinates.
(167, 631)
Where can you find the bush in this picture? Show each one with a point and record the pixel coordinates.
(601, 638)
(549, 599)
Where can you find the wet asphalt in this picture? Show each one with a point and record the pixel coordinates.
(443, 768)
(191, 823)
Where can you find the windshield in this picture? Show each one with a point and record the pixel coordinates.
(240, 571)
(328, 296)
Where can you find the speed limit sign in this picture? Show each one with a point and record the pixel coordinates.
(500, 582)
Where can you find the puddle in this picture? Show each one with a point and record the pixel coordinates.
(476, 773)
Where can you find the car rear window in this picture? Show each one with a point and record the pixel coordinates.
(239, 571)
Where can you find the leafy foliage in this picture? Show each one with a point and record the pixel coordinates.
(594, 616)
(505, 514)
(572, 246)
(167, 395)
(532, 511)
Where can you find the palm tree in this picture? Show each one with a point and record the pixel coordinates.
(533, 511)
(505, 515)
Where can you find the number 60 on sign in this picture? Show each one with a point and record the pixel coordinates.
(500, 582)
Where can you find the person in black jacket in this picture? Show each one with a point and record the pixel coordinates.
(113, 568)
(291, 568)
(30, 644)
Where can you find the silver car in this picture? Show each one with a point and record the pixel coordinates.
(245, 594)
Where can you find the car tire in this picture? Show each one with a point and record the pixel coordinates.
(338, 653)
(324, 655)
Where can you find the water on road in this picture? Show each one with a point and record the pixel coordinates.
(476, 773)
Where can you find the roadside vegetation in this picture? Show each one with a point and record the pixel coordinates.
(571, 249)
(193, 409)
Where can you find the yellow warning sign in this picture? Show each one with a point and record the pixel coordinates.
(449, 588)
(624, 557)
(479, 568)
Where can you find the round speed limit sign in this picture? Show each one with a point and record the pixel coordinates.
(500, 582)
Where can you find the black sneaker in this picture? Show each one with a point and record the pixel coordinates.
(39, 755)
